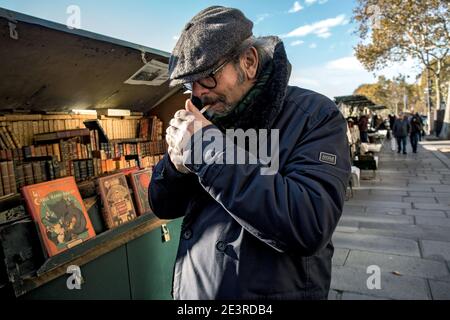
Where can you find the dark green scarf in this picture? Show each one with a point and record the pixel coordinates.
(229, 120)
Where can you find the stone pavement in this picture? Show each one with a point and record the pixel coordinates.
(400, 222)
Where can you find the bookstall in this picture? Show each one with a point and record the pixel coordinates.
(82, 118)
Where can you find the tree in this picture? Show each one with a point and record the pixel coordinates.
(392, 93)
(394, 30)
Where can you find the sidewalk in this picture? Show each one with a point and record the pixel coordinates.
(399, 221)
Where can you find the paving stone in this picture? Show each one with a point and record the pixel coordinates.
(442, 188)
(443, 200)
(358, 296)
(394, 287)
(339, 256)
(382, 198)
(333, 295)
(347, 228)
(380, 218)
(390, 263)
(353, 209)
(406, 231)
(376, 243)
(429, 194)
(415, 181)
(420, 188)
(430, 206)
(388, 193)
(419, 200)
(380, 204)
(425, 213)
(433, 221)
(436, 249)
(440, 290)
(382, 210)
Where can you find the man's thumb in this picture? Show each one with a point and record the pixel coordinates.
(189, 106)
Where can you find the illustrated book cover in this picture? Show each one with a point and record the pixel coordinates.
(58, 209)
(117, 203)
(140, 182)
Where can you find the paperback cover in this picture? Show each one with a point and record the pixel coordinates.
(117, 203)
(58, 209)
(140, 182)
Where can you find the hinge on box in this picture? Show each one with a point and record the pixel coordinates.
(165, 233)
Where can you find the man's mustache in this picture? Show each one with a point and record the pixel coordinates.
(211, 101)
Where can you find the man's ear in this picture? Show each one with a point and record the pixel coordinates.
(250, 62)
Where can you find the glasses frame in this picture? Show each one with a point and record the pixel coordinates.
(189, 85)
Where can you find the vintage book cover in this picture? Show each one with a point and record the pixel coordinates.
(117, 203)
(57, 208)
(140, 182)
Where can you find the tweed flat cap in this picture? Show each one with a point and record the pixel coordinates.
(211, 35)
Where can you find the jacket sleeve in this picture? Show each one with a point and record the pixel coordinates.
(170, 191)
(296, 209)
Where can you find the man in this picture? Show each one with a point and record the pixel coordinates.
(401, 130)
(363, 125)
(422, 132)
(245, 234)
(415, 131)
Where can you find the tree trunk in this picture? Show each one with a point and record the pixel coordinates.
(430, 126)
(445, 132)
(438, 91)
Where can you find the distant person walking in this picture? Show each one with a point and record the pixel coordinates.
(415, 131)
(363, 128)
(391, 125)
(401, 130)
(422, 132)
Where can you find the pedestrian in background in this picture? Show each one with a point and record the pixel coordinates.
(401, 130)
(415, 130)
(363, 128)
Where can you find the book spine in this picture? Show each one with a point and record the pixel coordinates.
(28, 172)
(37, 174)
(12, 177)
(105, 212)
(1, 185)
(44, 170)
(5, 177)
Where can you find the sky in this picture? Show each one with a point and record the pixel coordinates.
(318, 34)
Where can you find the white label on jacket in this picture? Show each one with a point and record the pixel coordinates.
(328, 158)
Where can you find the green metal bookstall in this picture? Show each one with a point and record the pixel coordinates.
(46, 66)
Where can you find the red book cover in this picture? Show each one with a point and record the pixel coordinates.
(117, 203)
(140, 182)
(58, 209)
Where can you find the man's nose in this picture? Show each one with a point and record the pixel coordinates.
(198, 90)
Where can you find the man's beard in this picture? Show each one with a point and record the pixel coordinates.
(226, 106)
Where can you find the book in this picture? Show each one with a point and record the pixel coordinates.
(114, 112)
(60, 214)
(5, 178)
(117, 203)
(140, 182)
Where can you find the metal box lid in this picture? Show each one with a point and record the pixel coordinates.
(45, 66)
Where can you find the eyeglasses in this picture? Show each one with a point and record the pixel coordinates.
(208, 82)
